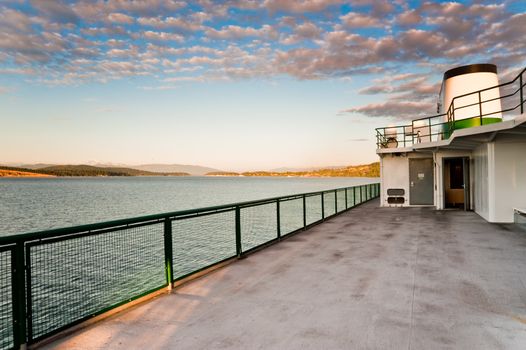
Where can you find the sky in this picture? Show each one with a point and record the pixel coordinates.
(234, 85)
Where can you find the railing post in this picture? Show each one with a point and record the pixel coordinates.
(346, 198)
(335, 201)
(322, 207)
(18, 273)
(480, 108)
(430, 133)
(168, 252)
(278, 219)
(354, 196)
(238, 232)
(304, 212)
(521, 93)
(452, 114)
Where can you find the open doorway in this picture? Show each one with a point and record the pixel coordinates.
(456, 183)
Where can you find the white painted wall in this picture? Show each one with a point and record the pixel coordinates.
(394, 174)
(510, 178)
(466, 83)
(479, 173)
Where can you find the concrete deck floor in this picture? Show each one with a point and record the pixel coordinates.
(371, 278)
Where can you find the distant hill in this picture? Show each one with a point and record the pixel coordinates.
(171, 168)
(366, 170)
(222, 173)
(88, 170)
(296, 170)
(35, 166)
(19, 173)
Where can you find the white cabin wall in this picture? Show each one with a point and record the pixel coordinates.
(480, 184)
(394, 172)
(509, 175)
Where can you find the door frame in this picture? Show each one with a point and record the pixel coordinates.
(466, 163)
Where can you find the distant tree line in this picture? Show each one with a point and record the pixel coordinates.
(366, 170)
(88, 170)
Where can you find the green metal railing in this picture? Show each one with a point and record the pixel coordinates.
(54, 279)
(441, 126)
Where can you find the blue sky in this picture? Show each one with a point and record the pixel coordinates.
(237, 85)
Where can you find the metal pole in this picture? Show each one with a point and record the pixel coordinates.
(335, 201)
(480, 108)
(346, 199)
(278, 218)
(238, 232)
(168, 252)
(430, 135)
(19, 296)
(304, 213)
(354, 196)
(522, 101)
(322, 207)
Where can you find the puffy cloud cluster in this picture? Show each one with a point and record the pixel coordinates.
(175, 41)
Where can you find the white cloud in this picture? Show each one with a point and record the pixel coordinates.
(120, 18)
(163, 36)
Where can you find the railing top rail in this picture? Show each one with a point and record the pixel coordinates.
(64, 231)
(412, 122)
(451, 108)
(433, 116)
(490, 88)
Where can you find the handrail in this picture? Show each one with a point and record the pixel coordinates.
(55, 232)
(491, 87)
(45, 276)
(382, 136)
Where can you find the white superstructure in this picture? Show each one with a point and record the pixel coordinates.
(467, 157)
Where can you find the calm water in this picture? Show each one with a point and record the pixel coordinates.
(37, 204)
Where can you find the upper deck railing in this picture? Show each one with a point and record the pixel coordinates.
(477, 108)
(54, 279)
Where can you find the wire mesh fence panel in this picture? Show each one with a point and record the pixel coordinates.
(258, 225)
(350, 197)
(359, 194)
(313, 209)
(291, 215)
(329, 204)
(75, 278)
(340, 195)
(202, 241)
(6, 301)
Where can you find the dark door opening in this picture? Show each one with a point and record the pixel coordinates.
(456, 183)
